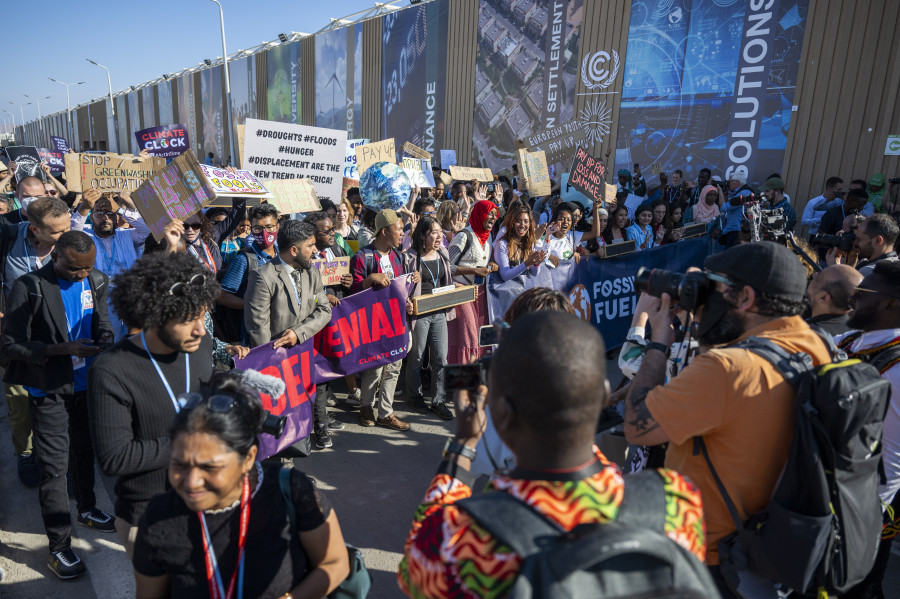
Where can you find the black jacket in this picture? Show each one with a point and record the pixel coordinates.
(36, 318)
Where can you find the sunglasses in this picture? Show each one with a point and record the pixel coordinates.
(51, 192)
(103, 214)
(429, 213)
(194, 226)
(326, 231)
(197, 280)
(860, 291)
(220, 404)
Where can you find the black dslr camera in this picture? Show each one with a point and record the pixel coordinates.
(844, 242)
(690, 289)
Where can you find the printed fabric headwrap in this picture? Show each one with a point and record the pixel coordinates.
(476, 219)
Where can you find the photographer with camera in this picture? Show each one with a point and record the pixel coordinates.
(738, 194)
(773, 189)
(735, 400)
(875, 238)
(833, 219)
(561, 480)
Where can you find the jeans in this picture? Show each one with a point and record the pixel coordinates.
(61, 434)
(378, 386)
(17, 404)
(430, 331)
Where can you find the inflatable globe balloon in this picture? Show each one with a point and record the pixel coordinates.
(384, 185)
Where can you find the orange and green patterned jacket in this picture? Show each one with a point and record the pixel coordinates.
(447, 554)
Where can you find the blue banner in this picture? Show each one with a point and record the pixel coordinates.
(602, 291)
(710, 84)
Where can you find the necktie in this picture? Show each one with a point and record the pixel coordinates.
(295, 275)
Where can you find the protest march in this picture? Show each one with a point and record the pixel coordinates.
(490, 299)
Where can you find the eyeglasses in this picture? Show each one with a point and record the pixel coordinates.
(429, 213)
(51, 192)
(268, 228)
(102, 214)
(326, 231)
(194, 226)
(216, 403)
(197, 280)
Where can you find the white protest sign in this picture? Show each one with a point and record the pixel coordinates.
(350, 170)
(419, 172)
(632, 202)
(287, 151)
(448, 159)
(237, 184)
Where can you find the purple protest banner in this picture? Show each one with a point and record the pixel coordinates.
(294, 367)
(167, 141)
(54, 159)
(60, 144)
(367, 329)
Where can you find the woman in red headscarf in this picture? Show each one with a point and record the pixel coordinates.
(470, 253)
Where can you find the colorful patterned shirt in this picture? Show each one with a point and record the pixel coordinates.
(447, 554)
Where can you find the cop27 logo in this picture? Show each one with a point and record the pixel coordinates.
(595, 72)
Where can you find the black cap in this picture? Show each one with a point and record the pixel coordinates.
(765, 265)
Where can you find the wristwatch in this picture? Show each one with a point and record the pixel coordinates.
(121, 211)
(455, 447)
(658, 346)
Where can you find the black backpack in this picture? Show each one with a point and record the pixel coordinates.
(823, 523)
(630, 557)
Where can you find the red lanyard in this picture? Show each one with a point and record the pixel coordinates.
(209, 262)
(213, 576)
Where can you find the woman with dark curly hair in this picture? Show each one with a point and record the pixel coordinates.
(133, 385)
(225, 524)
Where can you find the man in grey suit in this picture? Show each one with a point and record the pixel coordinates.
(286, 304)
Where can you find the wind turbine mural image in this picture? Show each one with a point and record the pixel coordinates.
(339, 79)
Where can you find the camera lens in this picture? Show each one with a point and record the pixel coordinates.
(688, 290)
(272, 425)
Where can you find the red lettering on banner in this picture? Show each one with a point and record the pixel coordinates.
(275, 406)
(364, 325)
(333, 340)
(292, 383)
(349, 332)
(397, 316)
(380, 325)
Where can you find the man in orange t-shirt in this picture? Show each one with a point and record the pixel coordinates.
(734, 399)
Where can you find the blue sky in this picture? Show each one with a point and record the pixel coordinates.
(138, 41)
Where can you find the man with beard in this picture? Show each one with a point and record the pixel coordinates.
(117, 247)
(286, 303)
(876, 315)
(133, 387)
(734, 399)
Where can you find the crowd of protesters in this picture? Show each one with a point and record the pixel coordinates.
(116, 348)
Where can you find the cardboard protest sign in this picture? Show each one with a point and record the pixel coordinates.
(380, 151)
(414, 151)
(419, 172)
(178, 191)
(28, 162)
(59, 144)
(586, 175)
(448, 159)
(166, 141)
(446, 179)
(655, 168)
(468, 173)
(347, 184)
(332, 270)
(54, 159)
(533, 168)
(109, 172)
(294, 366)
(350, 170)
(293, 195)
(237, 184)
(287, 151)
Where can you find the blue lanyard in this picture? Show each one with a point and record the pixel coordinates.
(110, 256)
(434, 280)
(28, 258)
(162, 377)
(215, 563)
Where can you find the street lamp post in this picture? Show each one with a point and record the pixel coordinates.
(115, 135)
(40, 117)
(230, 116)
(68, 110)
